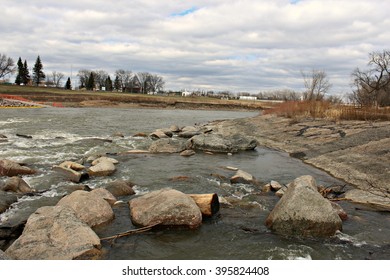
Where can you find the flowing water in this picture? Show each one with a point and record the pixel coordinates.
(237, 232)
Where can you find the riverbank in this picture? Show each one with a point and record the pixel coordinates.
(358, 152)
(82, 98)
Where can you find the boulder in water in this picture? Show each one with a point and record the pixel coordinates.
(89, 207)
(303, 211)
(55, 233)
(166, 207)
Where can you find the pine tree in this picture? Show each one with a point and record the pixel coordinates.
(117, 84)
(68, 84)
(18, 79)
(38, 74)
(90, 84)
(108, 84)
(26, 74)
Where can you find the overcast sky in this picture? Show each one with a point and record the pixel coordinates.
(236, 45)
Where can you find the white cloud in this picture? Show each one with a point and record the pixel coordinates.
(223, 44)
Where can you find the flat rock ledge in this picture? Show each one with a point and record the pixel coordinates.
(166, 207)
(55, 233)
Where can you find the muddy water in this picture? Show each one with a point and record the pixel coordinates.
(238, 232)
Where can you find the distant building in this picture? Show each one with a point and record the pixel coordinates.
(253, 98)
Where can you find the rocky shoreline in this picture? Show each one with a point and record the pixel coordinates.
(305, 208)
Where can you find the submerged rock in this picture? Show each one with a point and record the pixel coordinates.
(55, 233)
(187, 153)
(166, 207)
(303, 211)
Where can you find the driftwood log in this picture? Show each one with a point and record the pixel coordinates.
(207, 203)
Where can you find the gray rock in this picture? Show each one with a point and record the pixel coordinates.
(189, 133)
(303, 211)
(167, 146)
(55, 233)
(166, 207)
(89, 207)
(6, 199)
(10, 168)
(120, 188)
(221, 144)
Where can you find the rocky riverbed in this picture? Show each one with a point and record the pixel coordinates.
(356, 152)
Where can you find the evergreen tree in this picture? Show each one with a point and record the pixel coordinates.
(38, 74)
(18, 79)
(26, 74)
(108, 84)
(117, 83)
(90, 84)
(68, 84)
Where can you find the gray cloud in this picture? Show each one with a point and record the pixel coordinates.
(234, 45)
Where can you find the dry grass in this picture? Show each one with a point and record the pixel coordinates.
(324, 109)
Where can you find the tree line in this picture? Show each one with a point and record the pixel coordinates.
(124, 81)
(370, 87)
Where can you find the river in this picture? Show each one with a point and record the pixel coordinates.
(237, 232)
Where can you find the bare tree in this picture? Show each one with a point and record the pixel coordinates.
(316, 83)
(7, 65)
(156, 83)
(124, 78)
(100, 77)
(83, 77)
(372, 87)
(55, 79)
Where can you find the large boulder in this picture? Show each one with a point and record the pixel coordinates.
(166, 207)
(17, 185)
(221, 144)
(89, 207)
(10, 168)
(167, 146)
(303, 211)
(55, 233)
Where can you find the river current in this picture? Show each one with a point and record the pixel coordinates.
(237, 232)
